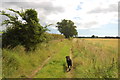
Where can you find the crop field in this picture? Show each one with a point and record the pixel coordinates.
(92, 58)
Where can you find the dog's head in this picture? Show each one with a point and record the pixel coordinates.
(67, 57)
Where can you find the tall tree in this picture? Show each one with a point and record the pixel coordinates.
(26, 31)
(67, 28)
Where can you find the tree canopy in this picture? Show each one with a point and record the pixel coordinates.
(67, 28)
(22, 29)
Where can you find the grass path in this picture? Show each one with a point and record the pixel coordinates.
(56, 66)
(71, 72)
(47, 63)
(39, 68)
(34, 73)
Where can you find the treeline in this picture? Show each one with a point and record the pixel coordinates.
(107, 37)
(112, 37)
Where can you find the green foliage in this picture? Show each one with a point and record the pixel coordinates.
(67, 28)
(27, 31)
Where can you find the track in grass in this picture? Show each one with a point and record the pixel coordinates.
(39, 68)
(56, 66)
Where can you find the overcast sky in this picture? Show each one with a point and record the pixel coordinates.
(98, 17)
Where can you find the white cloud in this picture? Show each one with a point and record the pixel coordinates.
(92, 13)
(107, 12)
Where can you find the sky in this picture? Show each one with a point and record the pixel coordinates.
(92, 17)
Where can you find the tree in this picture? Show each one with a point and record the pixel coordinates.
(27, 31)
(93, 36)
(67, 28)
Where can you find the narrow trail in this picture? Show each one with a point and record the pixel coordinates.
(70, 73)
(39, 68)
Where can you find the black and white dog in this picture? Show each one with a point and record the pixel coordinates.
(69, 62)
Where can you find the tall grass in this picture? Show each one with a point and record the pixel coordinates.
(91, 59)
(18, 63)
(95, 59)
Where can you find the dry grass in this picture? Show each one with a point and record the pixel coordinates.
(96, 58)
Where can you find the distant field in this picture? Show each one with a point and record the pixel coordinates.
(92, 58)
